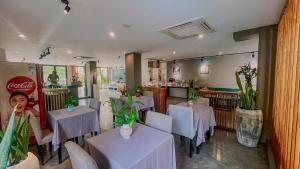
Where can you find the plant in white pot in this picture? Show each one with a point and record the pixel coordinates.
(125, 116)
(248, 119)
(14, 145)
(191, 97)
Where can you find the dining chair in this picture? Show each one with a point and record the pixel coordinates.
(148, 93)
(159, 121)
(183, 123)
(80, 159)
(40, 139)
(96, 105)
(202, 101)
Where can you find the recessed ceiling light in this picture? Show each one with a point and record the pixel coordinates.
(174, 52)
(200, 36)
(220, 53)
(22, 36)
(112, 34)
(69, 51)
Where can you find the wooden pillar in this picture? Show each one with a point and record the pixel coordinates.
(90, 77)
(133, 71)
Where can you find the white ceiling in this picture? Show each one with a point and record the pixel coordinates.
(85, 30)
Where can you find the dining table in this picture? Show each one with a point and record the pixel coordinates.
(204, 120)
(67, 125)
(147, 148)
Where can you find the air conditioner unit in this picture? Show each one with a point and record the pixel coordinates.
(189, 29)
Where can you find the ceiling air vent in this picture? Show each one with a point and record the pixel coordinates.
(82, 57)
(188, 29)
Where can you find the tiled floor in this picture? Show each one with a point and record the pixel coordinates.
(222, 151)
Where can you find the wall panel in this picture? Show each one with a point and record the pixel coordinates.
(285, 137)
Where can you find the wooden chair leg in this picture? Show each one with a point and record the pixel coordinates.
(59, 154)
(50, 148)
(191, 148)
(92, 134)
(182, 138)
(96, 133)
(208, 135)
(76, 140)
(41, 153)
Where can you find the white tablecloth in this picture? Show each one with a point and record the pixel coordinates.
(147, 148)
(66, 125)
(204, 120)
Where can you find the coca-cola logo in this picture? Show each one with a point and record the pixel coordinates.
(21, 83)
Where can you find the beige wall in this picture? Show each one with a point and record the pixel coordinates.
(221, 69)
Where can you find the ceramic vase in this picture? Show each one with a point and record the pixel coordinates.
(190, 103)
(31, 162)
(248, 126)
(126, 131)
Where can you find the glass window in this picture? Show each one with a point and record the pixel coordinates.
(61, 72)
(102, 77)
(47, 70)
(118, 75)
(81, 74)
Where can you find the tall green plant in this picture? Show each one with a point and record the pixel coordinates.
(247, 93)
(127, 114)
(192, 94)
(14, 143)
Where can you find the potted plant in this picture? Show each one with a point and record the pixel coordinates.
(125, 116)
(70, 102)
(248, 119)
(14, 145)
(191, 93)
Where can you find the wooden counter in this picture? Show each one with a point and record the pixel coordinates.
(160, 98)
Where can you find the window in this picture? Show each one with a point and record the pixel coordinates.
(118, 75)
(81, 74)
(102, 77)
(61, 72)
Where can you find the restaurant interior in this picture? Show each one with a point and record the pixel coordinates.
(149, 84)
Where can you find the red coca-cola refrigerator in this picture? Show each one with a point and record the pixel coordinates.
(20, 84)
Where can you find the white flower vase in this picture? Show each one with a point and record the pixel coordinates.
(126, 131)
(31, 162)
(190, 103)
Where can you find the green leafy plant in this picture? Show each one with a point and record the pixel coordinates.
(247, 93)
(127, 114)
(14, 143)
(71, 101)
(192, 94)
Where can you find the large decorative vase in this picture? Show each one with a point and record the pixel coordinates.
(190, 103)
(31, 162)
(126, 131)
(248, 126)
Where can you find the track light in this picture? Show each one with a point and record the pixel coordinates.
(67, 9)
(202, 59)
(45, 53)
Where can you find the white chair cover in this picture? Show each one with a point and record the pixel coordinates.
(95, 104)
(38, 131)
(80, 159)
(148, 93)
(182, 120)
(202, 101)
(159, 121)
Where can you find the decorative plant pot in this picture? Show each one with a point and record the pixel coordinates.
(70, 108)
(190, 103)
(126, 131)
(248, 126)
(31, 162)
